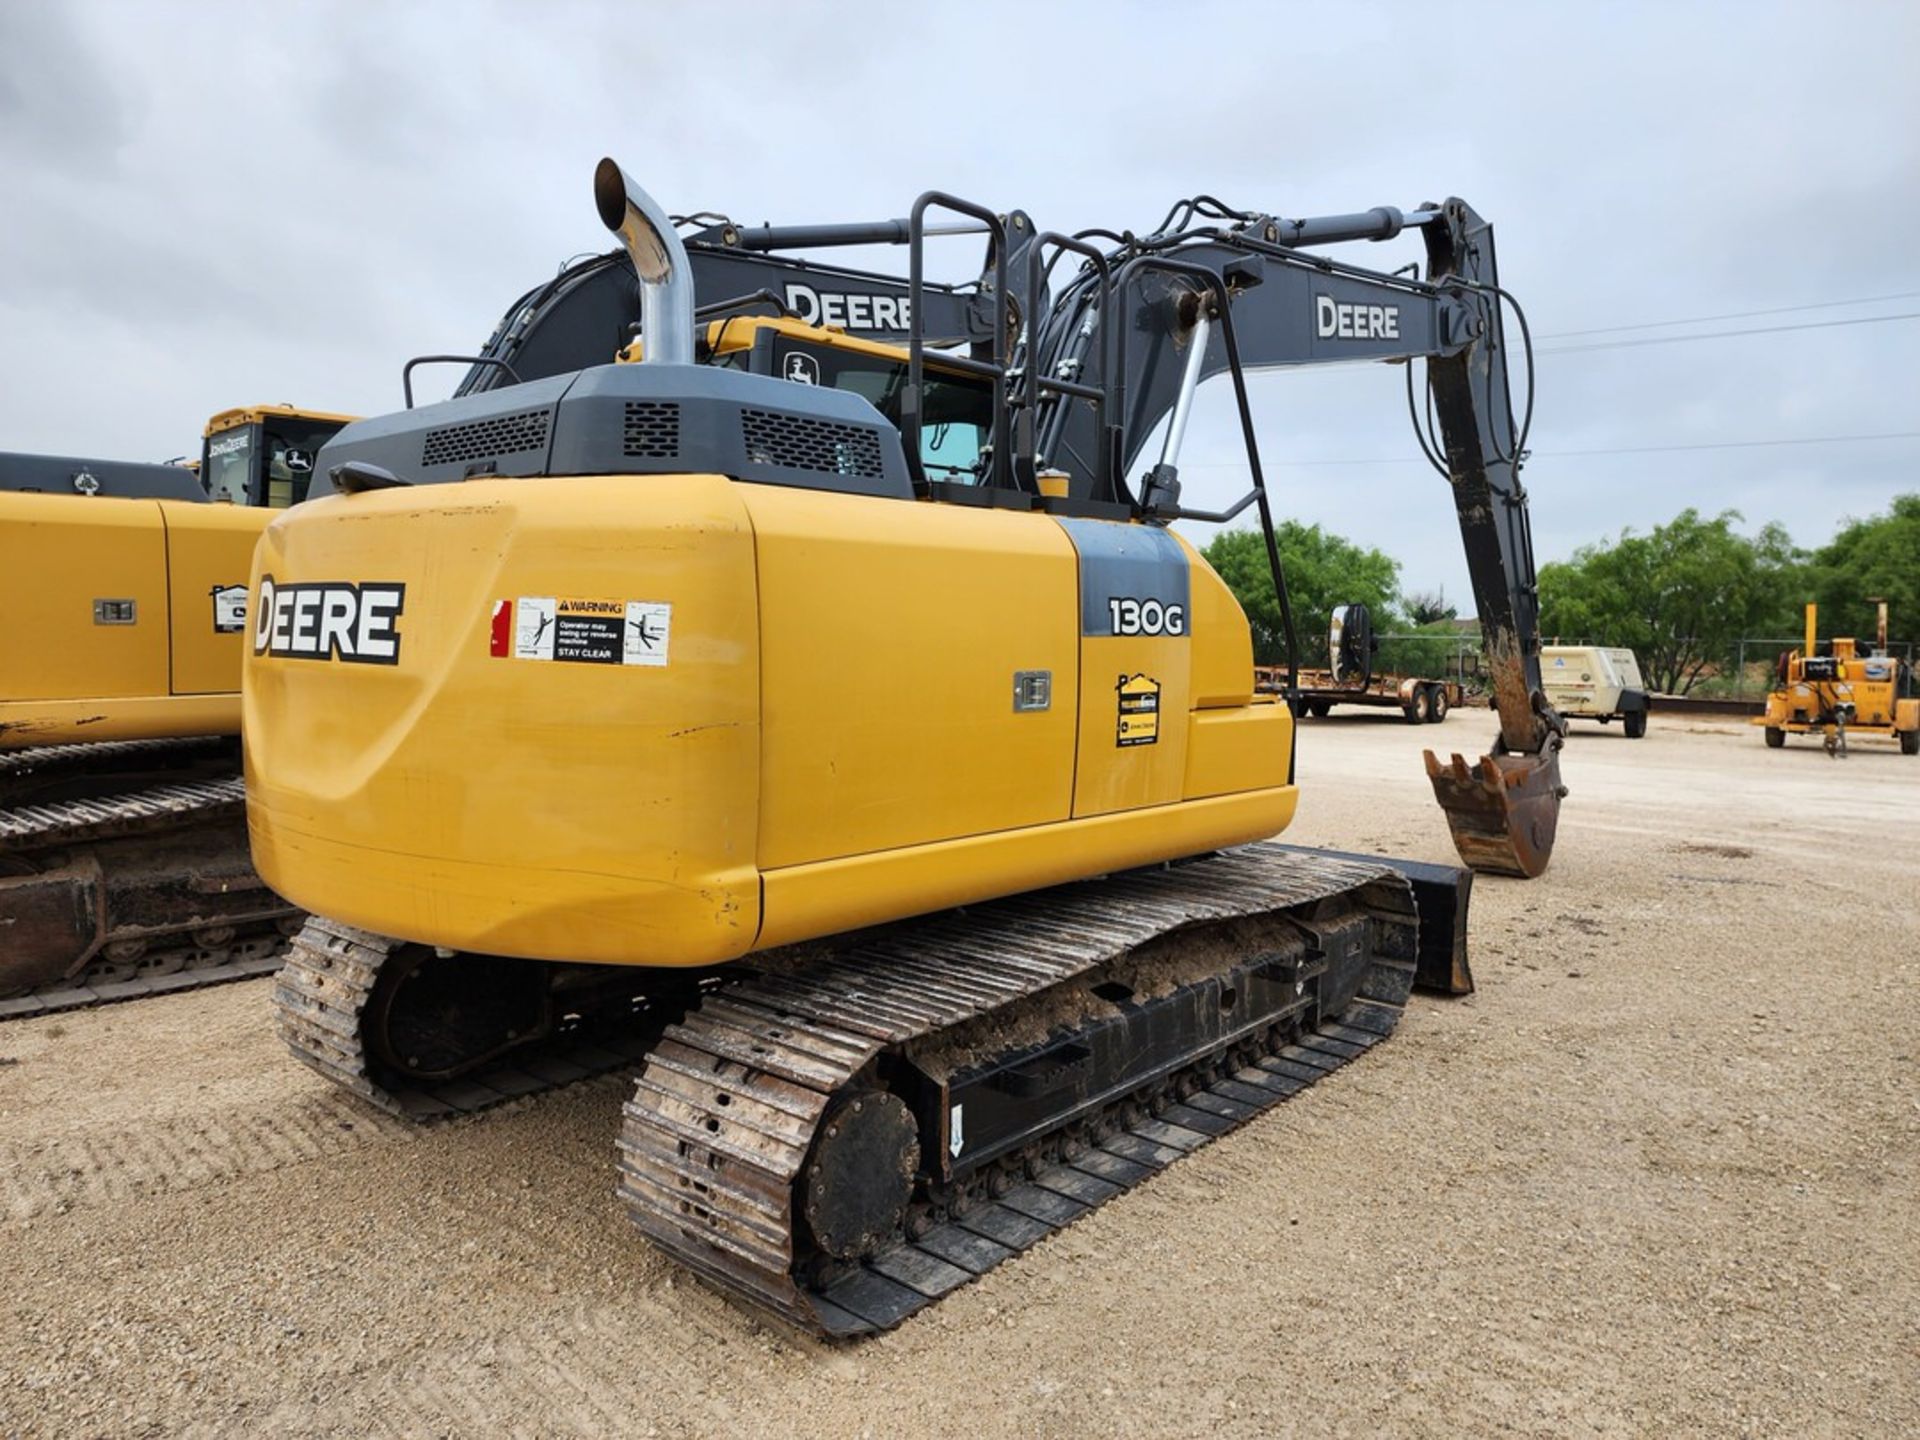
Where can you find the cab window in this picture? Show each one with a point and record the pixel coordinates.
(265, 463)
(956, 411)
(227, 466)
(288, 449)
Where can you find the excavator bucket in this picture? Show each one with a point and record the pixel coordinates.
(1503, 810)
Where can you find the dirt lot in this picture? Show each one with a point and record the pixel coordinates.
(1657, 1176)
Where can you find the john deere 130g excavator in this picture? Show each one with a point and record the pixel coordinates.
(830, 724)
(123, 852)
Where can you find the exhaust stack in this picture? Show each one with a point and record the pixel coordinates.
(666, 284)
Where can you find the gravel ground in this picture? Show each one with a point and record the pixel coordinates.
(1656, 1176)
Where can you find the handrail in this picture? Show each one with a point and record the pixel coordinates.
(910, 406)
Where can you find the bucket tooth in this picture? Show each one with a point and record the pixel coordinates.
(1503, 811)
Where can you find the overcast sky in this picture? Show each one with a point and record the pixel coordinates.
(207, 205)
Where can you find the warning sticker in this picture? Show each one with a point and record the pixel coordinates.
(590, 632)
(229, 609)
(648, 625)
(1139, 721)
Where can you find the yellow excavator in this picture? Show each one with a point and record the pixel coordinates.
(829, 725)
(123, 855)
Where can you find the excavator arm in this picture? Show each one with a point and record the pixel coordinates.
(1204, 300)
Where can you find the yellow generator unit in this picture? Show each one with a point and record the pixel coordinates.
(123, 862)
(671, 711)
(1848, 691)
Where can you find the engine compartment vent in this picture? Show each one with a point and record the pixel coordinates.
(484, 439)
(651, 430)
(798, 442)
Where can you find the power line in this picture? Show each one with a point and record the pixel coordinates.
(1732, 315)
(1565, 454)
(1723, 334)
(1739, 444)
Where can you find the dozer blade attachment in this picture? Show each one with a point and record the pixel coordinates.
(1503, 810)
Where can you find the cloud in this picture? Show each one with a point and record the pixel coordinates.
(219, 204)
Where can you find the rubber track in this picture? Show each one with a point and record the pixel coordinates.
(324, 987)
(724, 1115)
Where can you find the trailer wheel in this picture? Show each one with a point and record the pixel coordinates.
(1439, 704)
(1420, 707)
(1776, 737)
(1636, 722)
(1910, 742)
(1319, 708)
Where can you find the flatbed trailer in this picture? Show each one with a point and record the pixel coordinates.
(1420, 699)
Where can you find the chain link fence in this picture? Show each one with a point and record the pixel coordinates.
(1433, 656)
(1750, 671)
(1746, 673)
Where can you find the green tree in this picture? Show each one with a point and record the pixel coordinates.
(1681, 596)
(1873, 559)
(1428, 607)
(1323, 571)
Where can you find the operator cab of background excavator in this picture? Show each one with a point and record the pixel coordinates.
(264, 454)
(957, 424)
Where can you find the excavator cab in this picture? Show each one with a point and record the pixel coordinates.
(262, 456)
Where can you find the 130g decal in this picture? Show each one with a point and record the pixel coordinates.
(1146, 617)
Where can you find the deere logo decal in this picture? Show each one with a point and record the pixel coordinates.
(1337, 319)
(330, 620)
(851, 312)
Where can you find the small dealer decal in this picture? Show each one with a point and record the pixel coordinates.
(1139, 719)
(590, 632)
(229, 609)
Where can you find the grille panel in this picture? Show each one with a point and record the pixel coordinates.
(651, 430)
(484, 439)
(798, 442)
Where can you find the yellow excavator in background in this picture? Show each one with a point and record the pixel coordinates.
(123, 856)
(1849, 690)
(831, 725)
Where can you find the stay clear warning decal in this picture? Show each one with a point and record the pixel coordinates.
(588, 632)
(229, 609)
(1139, 720)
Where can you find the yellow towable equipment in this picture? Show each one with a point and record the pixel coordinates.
(1852, 689)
